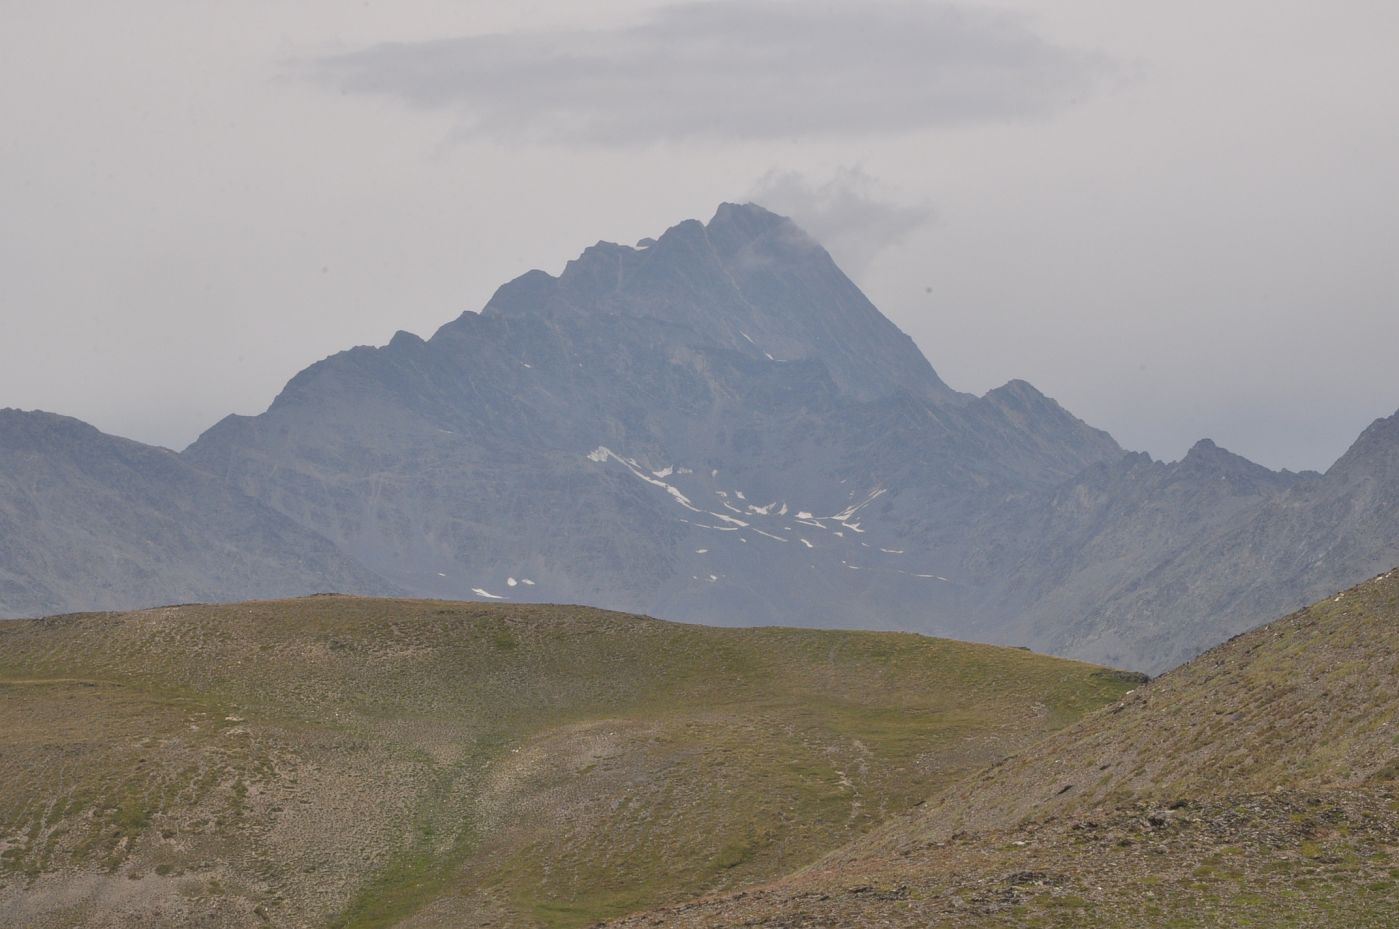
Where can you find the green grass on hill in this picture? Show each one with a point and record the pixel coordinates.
(1256, 786)
(359, 763)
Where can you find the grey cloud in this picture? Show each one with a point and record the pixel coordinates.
(847, 213)
(733, 69)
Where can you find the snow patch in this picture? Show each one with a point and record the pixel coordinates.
(602, 453)
(851, 510)
(511, 582)
(715, 528)
(806, 543)
(485, 593)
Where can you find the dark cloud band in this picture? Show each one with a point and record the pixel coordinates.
(734, 69)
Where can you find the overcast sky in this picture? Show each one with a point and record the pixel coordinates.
(1179, 219)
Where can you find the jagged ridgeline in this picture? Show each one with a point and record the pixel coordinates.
(346, 762)
(1257, 785)
(714, 426)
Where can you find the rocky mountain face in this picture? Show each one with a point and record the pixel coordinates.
(89, 521)
(717, 426)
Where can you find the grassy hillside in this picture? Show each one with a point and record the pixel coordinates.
(357, 763)
(1255, 786)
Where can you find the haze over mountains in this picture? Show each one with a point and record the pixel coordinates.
(713, 426)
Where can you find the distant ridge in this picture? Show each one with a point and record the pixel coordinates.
(91, 521)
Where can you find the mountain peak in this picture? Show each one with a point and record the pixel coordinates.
(750, 217)
(1207, 454)
(1208, 451)
(1374, 453)
(1019, 391)
(1208, 460)
(748, 211)
(39, 428)
(749, 281)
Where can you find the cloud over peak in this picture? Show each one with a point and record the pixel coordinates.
(733, 70)
(848, 213)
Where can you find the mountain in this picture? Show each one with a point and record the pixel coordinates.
(91, 521)
(715, 427)
(1155, 561)
(1257, 785)
(350, 762)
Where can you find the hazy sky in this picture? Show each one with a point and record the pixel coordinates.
(1179, 219)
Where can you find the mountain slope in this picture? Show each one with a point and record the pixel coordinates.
(336, 761)
(91, 521)
(1256, 785)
